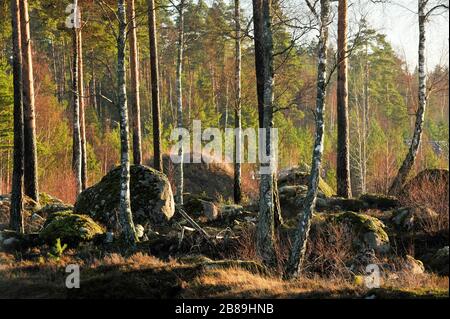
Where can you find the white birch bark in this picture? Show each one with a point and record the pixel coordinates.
(179, 94)
(408, 163)
(265, 235)
(125, 215)
(299, 246)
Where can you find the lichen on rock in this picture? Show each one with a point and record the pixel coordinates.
(152, 200)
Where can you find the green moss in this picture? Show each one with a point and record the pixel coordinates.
(46, 199)
(70, 228)
(325, 188)
(418, 293)
(362, 223)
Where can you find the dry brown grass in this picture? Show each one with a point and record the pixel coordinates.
(143, 276)
(432, 192)
(62, 185)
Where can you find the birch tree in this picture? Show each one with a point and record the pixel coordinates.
(410, 158)
(343, 144)
(81, 99)
(134, 79)
(298, 251)
(125, 215)
(179, 94)
(156, 109)
(238, 111)
(16, 213)
(30, 151)
(258, 25)
(265, 235)
(76, 144)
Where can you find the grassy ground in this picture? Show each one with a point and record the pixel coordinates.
(144, 276)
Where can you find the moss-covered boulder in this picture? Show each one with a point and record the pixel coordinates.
(370, 232)
(152, 200)
(300, 176)
(70, 228)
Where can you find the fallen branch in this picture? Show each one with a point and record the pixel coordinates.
(194, 224)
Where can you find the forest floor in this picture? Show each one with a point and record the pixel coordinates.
(143, 276)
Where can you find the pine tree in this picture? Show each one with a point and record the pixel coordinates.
(135, 99)
(30, 150)
(156, 110)
(16, 218)
(343, 144)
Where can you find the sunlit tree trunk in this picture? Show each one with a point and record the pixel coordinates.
(257, 27)
(125, 215)
(179, 178)
(30, 151)
(298, 251)
(237, 117)
(343, 147)
(76, 144)
(134, 96)
(260, 88)
(82, 108)
(156, 109)
(16, 213)
(265, 235)
(408, 163)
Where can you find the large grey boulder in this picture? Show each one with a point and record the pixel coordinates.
(152, 202)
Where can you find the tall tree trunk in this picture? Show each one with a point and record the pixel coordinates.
(297, 255)
(408, 163)
(265, 234)
(257, 27)
(258, 23)
(135, 100)
(125, 215)
(343, 147)
(16, 216)
(76, 145)
(366, 123)
(82, 108)
(237, 107)
(30, 150)
(180, 182)
(156, 109)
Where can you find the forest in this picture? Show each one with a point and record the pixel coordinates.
(185, 149)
